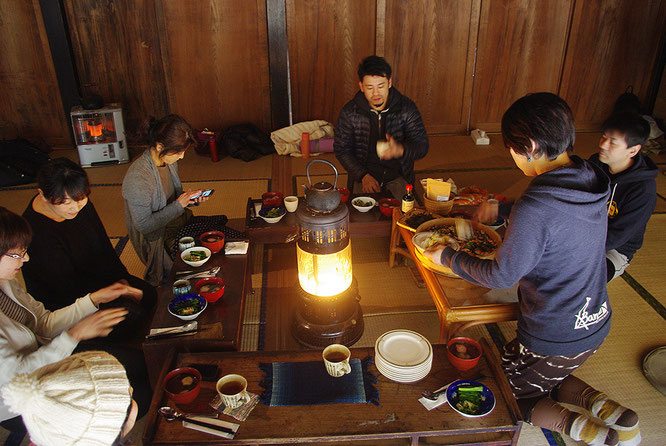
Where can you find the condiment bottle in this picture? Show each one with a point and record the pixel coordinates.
(305, 145)
(408, 200)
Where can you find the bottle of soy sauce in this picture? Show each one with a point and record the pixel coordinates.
(408, 200)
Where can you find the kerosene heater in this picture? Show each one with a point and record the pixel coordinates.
(100, 135)
(328, 311)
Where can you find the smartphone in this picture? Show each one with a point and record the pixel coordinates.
(209, 372)
(206, 193)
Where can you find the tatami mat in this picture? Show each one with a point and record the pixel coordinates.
(17, 199)
(131, 261)
(648, 266)
(426, 323)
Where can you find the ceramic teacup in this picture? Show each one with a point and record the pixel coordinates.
(185, 242)
(291, 203)
(382, 147)
(181, 287)
(233, 390)
(336, 359)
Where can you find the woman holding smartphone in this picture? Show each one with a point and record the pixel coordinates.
(155, 204)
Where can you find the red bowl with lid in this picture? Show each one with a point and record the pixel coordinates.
(463, 353)
(272, 199)
(386, 206)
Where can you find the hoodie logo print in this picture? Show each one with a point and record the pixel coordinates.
(612, 209)
(584, 319)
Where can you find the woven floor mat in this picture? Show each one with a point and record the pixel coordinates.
(17, 199)
(198, 168)
(230, 197)
(384, 289)
(661, 190)
(648, 266)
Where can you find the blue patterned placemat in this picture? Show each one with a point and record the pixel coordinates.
(306, 383)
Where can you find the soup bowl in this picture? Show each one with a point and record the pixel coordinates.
(213, 240)
(182, 385)
(211, 288)
(463, 353)
(186, 256)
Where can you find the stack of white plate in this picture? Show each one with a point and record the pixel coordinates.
(403, 356)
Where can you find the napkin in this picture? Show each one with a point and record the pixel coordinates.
(431, 404)
(236, 247)
(240, 413)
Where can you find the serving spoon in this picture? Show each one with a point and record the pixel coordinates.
(171, 414)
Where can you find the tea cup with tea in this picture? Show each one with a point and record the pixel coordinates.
(233, 390)
(336, 359)
(291, 203)
(181, 287)
(185, 242)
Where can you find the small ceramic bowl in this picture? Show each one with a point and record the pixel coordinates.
(486, 405)
(263, 214)
(181, 287)
(213, 240)
(187, 396)
(195, 263)
(365, 200)
(386, 206)
(463, 346)
(185, 297)
(212, 296)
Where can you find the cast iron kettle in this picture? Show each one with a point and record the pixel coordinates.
(322, 196)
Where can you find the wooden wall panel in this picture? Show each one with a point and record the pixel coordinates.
(430, 45)
(613, 44)
(327, 40)
(29, 95)
(520, 50)
(215, 57)
(117, 54)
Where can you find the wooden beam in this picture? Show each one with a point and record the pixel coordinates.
(278, 62)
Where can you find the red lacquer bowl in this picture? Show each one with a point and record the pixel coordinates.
(215, 245)
(214, 296)
(185, 397)
(386, 206)
(272, 199)
(471, 348)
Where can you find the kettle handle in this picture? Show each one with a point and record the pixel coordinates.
(307, 170)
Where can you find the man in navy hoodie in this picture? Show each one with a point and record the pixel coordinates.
(633, 187)
(554, 247)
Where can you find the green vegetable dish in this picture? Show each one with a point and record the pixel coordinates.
(195, 256)
(187, 307)
(362, 203)
(275, 212)
(470, 399)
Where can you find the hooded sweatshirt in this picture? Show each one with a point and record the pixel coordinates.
(554, 249)
(633, 199)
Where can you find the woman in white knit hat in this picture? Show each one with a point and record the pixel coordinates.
(83, 400)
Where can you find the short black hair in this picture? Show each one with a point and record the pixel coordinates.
(544, 118)
(15, 232)
(62, 177)
(632, 125)
(374, 66)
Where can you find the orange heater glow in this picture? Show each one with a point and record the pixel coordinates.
(95, 128)
(325, 274)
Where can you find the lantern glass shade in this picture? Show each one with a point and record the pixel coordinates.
(325, 274)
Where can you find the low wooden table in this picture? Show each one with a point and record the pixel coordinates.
(361, 224)
(400, 415)
(221, 322)
(459, 303)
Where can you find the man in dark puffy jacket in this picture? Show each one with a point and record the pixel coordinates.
(379, 133)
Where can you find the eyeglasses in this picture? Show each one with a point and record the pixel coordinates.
(17, 256)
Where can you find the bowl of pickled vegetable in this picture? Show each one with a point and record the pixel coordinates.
(195, 256)
(272, 214)
(363, 204)
(470, 398)
(188, 306)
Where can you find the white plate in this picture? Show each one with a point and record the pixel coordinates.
(402, 377)
(403, 348)
(654, 368)
(420, 371)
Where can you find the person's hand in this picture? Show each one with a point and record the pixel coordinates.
(370, 184)
(97, 324)
(434, 253)
(395, 149)
(114, 291)
(186, 197)
(486, 213)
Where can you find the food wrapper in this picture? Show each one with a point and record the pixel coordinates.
(240, 413)
(438, 190)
